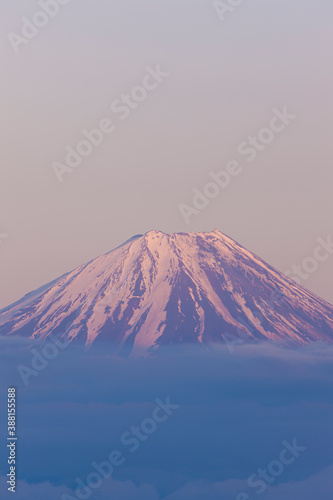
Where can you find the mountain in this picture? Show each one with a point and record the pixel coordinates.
(159, 289)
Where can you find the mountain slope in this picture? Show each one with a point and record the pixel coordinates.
(161, 288)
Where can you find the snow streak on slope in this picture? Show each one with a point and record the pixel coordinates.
(162, 288)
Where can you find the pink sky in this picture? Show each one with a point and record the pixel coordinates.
(225, 79)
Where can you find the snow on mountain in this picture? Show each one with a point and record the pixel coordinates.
(159, 289)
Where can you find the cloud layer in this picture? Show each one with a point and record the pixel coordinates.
(235, 411)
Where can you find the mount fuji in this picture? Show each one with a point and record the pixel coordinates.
(160, 289)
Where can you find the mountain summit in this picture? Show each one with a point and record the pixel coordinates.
(159, 289)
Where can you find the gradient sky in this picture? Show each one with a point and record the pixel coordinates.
(225, 79)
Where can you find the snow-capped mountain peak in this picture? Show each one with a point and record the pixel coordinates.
(161, 288)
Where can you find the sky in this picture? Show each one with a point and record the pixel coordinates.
(222, 79)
